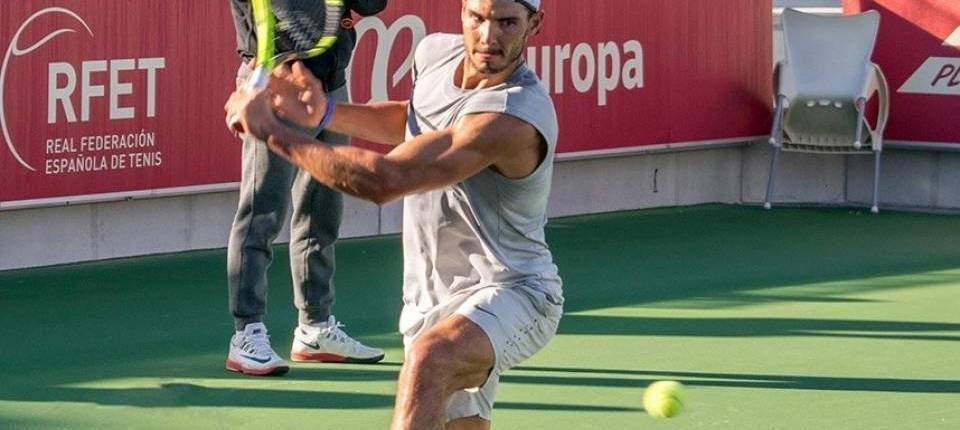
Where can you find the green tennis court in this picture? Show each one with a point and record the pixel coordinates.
(789, 319)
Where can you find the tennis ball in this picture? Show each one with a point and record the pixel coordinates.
(663, 399)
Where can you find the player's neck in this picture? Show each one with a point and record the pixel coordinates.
(468, 77)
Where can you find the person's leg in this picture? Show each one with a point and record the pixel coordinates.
(453, 355)
(513, 322)
(314, 228)
(264, 192)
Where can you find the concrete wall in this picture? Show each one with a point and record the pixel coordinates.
(738, 174)
(910, 179)
(54, 235)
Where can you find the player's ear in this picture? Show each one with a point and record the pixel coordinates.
(536, 22)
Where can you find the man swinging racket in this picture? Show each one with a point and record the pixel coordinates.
(472, 157)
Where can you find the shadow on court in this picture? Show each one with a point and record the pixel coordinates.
(180, 395)
(633, 378)
(750, 327)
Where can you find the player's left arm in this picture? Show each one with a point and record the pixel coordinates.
(430, 160)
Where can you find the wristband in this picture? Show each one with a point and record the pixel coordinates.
(327, 114)
(324, 122)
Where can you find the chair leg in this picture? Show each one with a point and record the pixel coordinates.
(861, 109)
(773, 173)
(876, 181)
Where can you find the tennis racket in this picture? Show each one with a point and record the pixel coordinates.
(289, 30)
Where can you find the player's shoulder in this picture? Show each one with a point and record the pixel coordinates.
(523, 97)
(524, 89)
(527, 98)
(530, 84)
(437, 48)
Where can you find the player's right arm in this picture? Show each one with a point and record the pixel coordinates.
(511, 146)
(380, 122)
(300, 99)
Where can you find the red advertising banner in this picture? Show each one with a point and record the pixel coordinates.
(918, 49)
(621, 73)
(99, 97)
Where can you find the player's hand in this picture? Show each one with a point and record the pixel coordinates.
(255, 116)
(297, 96)
(252, 113)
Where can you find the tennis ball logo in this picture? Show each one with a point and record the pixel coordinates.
(664, 399)
(73, 90)
(14, 50)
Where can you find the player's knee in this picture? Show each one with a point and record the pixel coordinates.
(434, 359)
(261, 231)
(442, 362)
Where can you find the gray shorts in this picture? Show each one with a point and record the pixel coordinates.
(518, 320)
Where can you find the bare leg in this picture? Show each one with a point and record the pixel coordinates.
(453, 355)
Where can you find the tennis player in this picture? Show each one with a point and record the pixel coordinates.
(473, 157)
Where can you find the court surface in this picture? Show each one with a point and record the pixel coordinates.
(790, 319)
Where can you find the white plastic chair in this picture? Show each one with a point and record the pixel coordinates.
(822, 87)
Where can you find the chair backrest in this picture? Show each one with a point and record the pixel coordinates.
(827, 56)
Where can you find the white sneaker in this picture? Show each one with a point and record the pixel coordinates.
(330, 344)
(251, 354)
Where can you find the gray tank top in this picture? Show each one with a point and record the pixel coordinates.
(487, 230)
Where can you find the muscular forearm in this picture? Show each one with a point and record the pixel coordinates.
(354, 171)
(428, 161)
(383, 122)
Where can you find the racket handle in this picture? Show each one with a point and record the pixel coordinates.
(258, 79)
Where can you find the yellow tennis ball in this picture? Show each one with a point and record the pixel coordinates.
(664, 399)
